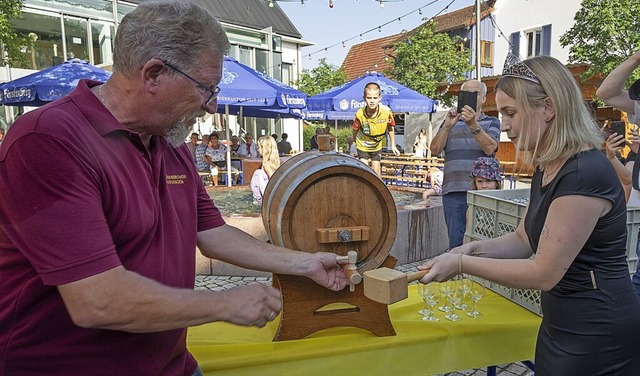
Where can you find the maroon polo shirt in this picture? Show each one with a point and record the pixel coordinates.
(79, 195)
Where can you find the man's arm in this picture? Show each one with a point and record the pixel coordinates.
(611, 92)
(118, 299)
(234, 246)
(439, 141)
(487, 143)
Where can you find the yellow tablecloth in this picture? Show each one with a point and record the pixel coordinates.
(506, 333)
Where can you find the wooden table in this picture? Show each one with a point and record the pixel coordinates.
(505, 334)
(407, 170)
(250, 165)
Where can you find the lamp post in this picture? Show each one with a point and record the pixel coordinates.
(478, 44)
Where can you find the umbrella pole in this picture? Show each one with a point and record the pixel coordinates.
(226, 111)
(430, 134)
(336, 126)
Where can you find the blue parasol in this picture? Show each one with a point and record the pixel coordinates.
(342, 102)
(256, 93)
(49, 84)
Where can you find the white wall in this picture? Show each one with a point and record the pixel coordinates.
(521, 15)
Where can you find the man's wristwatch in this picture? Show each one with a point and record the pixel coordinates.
(476, 131)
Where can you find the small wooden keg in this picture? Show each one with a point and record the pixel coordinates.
(330, 202)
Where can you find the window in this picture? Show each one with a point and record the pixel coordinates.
(102, 42)
(46, 33)
(76, 38)
(539, 41)
(533, 43)
(287, 73)
(486, 53)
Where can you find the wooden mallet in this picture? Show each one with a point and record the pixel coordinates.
(388, 286)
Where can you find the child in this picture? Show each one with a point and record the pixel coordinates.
(435, 177)
(486, 174)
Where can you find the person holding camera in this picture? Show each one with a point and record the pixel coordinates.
(612, 93)
(464, 136)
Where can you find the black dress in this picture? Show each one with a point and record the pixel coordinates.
(587, 329)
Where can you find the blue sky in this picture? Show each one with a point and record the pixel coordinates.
(348, 19)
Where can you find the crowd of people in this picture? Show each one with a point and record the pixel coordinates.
(97, 248)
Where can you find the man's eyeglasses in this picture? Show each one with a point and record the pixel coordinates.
(213, 91)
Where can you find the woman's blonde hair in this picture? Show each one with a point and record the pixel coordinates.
(572, 129)
(270, 156)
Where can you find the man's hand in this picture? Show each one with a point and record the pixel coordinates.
(326, 271)
(470, 117)
(252, 305)
(451, 119)
(395, 150)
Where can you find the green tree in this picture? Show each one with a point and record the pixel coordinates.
(321, 78)
(426, 59)
(605, 33)
(11, 40)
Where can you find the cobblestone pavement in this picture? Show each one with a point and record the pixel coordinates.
(219, 283)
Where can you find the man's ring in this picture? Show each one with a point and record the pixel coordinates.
(272, 315)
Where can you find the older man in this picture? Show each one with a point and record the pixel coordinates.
(98, 242)
(463, 137)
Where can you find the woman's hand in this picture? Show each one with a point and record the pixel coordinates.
(614, 143)
(442, 268)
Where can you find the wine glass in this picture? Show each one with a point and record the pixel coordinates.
(464, 287)
(424, 310)
(476, 293)
(455, 297)
(431, 297)
(446, 288)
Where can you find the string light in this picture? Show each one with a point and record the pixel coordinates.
(343, 44)
(381, 4)
(330, 3)
(270, 3)
(379, 28)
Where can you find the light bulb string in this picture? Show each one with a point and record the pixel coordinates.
(379, 28)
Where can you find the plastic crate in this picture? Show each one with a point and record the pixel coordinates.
(494, 213)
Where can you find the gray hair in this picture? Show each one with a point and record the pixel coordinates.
(176, 32)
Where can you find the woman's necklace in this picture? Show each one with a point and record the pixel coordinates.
(549, 175)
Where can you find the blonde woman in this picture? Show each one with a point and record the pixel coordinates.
(268, 148)
(575, 224)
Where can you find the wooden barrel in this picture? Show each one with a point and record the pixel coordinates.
(315, 195)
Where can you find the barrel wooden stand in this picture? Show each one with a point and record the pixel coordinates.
(329, 202)
(303, 314)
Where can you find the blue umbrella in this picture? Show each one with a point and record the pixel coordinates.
(243, 86)
(342, 102)
(243, 90)
(49, 84)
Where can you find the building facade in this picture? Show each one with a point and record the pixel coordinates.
(262, 37)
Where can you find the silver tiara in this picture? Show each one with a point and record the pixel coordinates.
(514, 67)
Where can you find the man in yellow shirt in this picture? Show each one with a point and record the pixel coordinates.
(370, 127)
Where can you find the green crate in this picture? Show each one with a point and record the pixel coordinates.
(494, 213)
